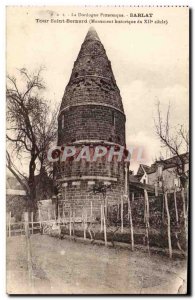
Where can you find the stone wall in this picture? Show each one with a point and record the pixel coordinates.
(79, 194)
(81, 168)
(91, 122)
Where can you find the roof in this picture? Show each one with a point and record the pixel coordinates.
(44, 186)
(13, 183)
(141, 169)
(137, 186)
(133, 178)
(92, 80)
(175, 160)
(167, 163)
(13, 187)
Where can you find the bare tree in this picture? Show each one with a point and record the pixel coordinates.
(176, 142)
(31, 128)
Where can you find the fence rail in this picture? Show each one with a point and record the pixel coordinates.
(165, 220)
(35, 227)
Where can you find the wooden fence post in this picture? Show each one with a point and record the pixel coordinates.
(147, 216)
(118, 211)
(32, 223)
(54, 213)
(28, 249)
(145, 209)
(70, 227)
(63, 214)
(121, 213)
(131, 223)
(184, 214)
(133, 196)
(128, 208)
(156, 189)
(82, 220)
(26, 224)
(40, 219)
(168, 224)
(176, 211)
(101, 218)
(73, 222)
(48, 214)
(104, 219)
(58, 215)
(177, 220)
(9, 224)
(84, 223)
(91, 210)
(187, 200)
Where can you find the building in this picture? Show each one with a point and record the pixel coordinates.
(15, 198)
(91, 114)
(13, 187)
(164, 171)
(142, 174)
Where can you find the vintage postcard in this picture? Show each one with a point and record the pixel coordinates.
(97, 191)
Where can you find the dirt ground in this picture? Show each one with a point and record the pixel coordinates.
(70, 267)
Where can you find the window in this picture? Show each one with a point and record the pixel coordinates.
(62, 121)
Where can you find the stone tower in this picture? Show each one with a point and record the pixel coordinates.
(91, 113)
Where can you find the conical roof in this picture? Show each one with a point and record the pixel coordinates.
(92, 35)
(92, 80)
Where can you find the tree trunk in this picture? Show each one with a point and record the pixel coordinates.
(32, 185)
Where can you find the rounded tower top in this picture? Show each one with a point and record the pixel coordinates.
(92, 80)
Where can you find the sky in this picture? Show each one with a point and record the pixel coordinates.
(149, 61)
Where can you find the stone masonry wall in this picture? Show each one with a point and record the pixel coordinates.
(91, 122)
(73, 169)
(78, 195)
